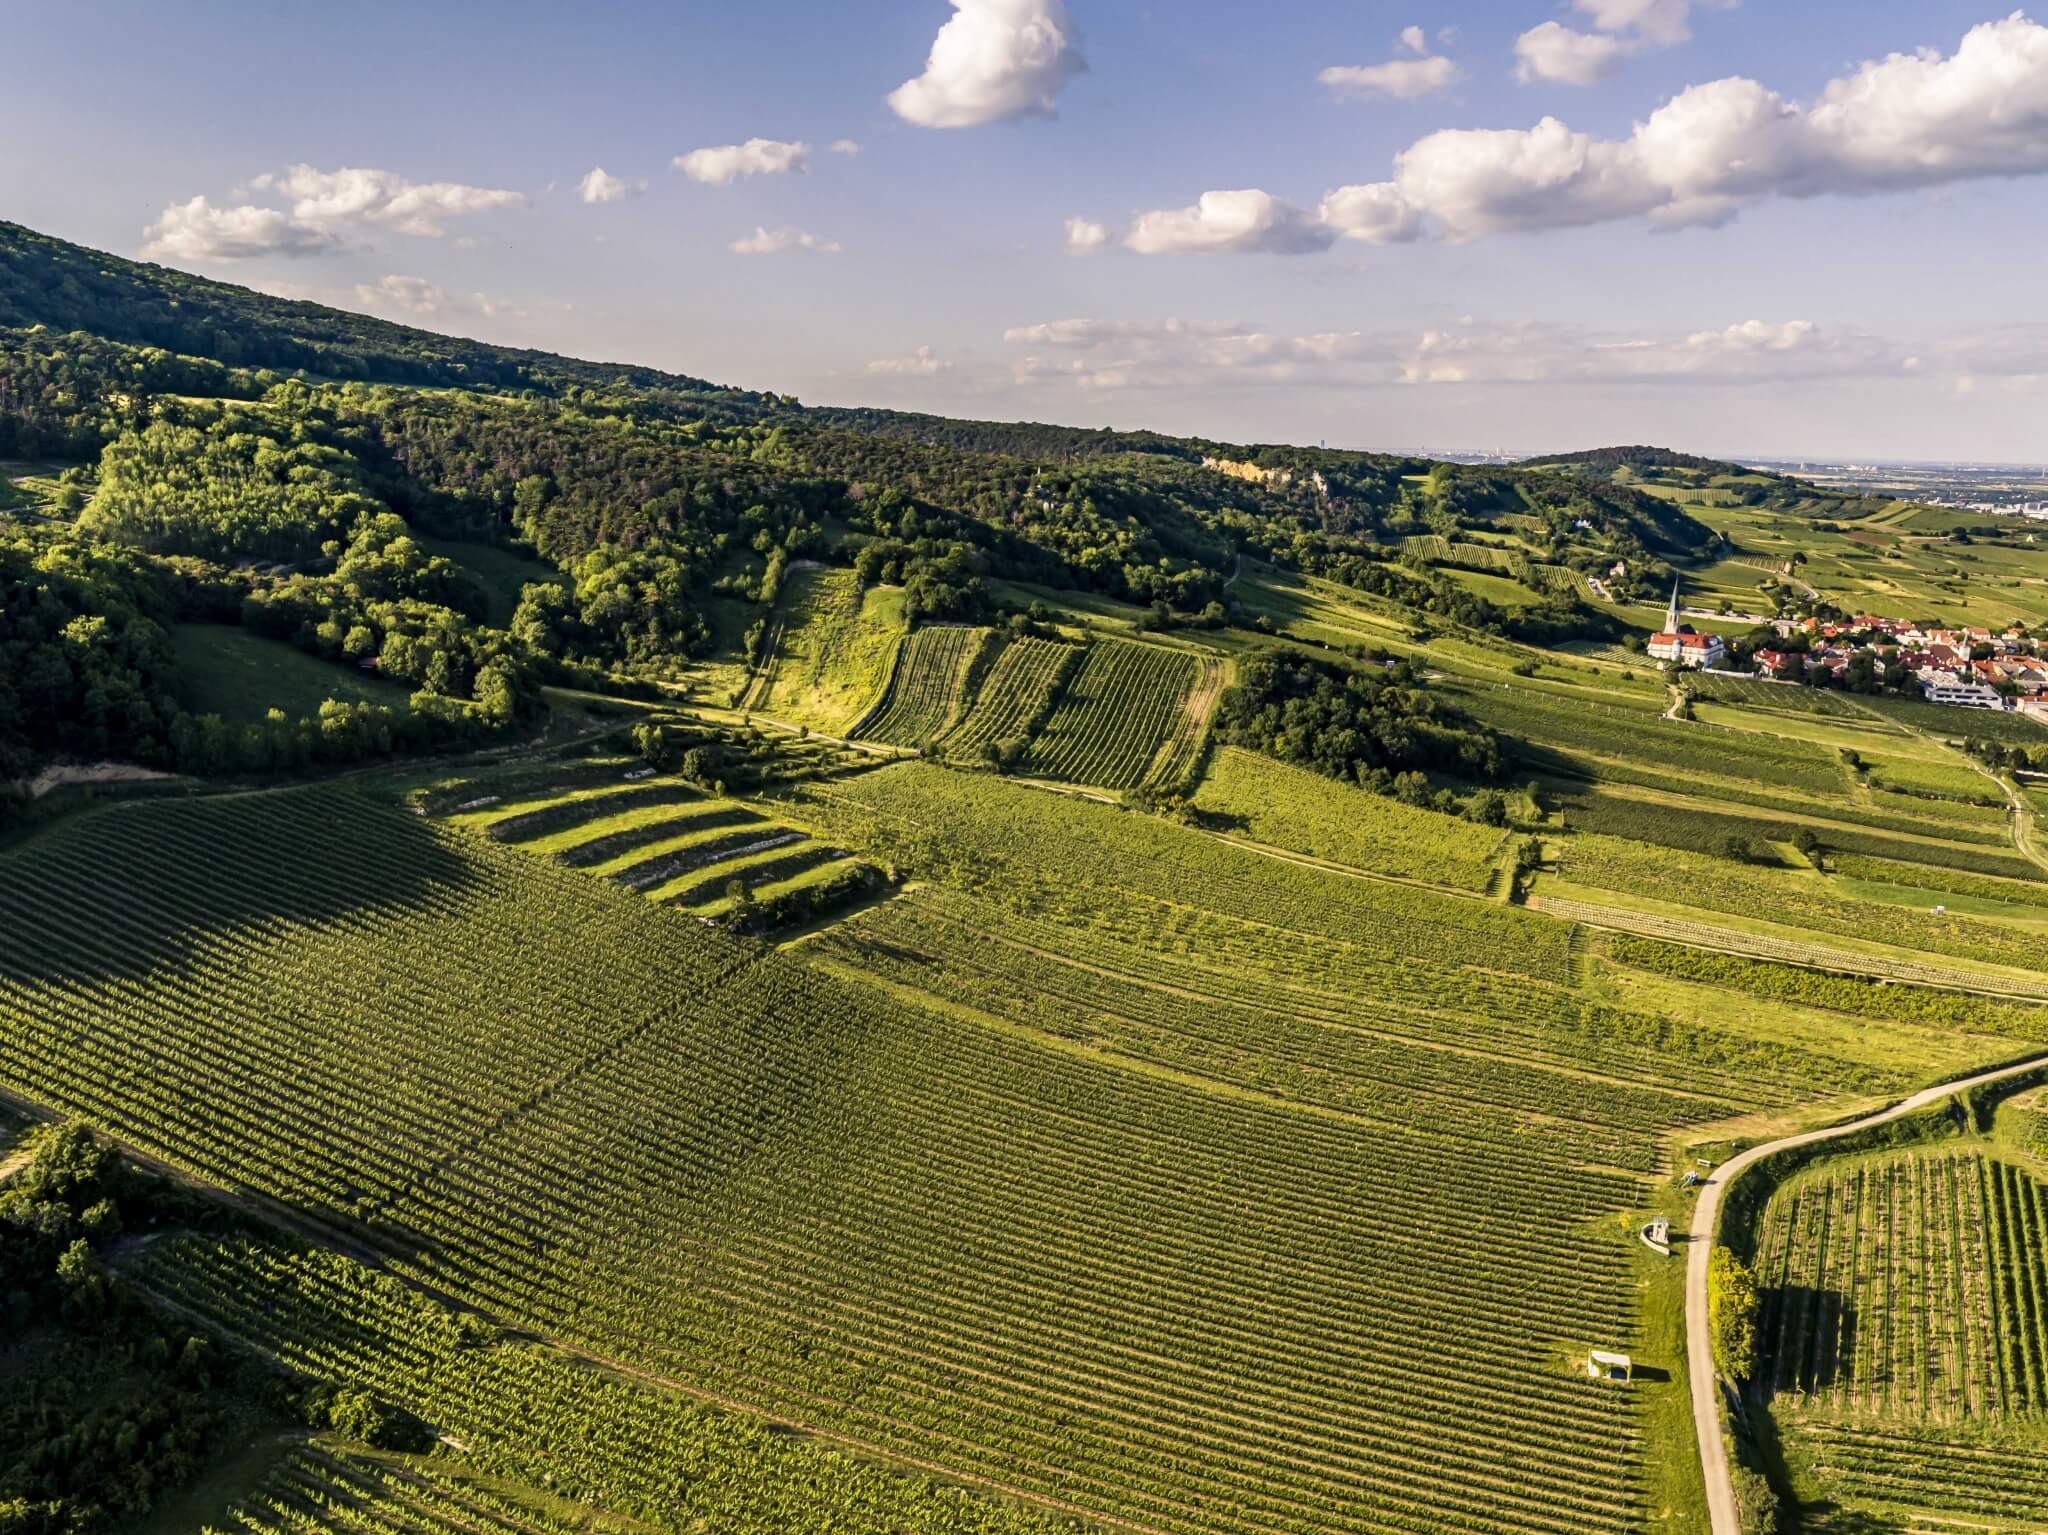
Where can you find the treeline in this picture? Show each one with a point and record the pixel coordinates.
(1370, 725)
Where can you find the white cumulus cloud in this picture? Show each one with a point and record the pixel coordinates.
(420, 299)
(1557, 53)
(600, 186)
(993, 60)
(771, 242)
(196, 231)
(1245, 220)
(325, 209)
(1403, 79)
(1894, 124)
(724, 164)
(1562, 55)
(359, 195)
(1085, 236)
(845, 147)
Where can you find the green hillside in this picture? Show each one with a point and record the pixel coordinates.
(642, 959)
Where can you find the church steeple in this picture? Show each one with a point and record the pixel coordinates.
(1671, 619)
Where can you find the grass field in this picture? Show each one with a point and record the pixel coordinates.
(241, 676)
(503, 572)
(835, 648)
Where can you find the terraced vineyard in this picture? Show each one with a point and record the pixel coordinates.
(1016, 696)
(1125, 713)
(661, 838)
(927, 690)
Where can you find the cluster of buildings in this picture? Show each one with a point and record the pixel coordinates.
(1967, 668)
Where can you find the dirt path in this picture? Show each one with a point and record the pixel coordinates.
(1699, 1347)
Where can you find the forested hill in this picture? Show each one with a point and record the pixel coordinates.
(1608, 460)
(235, 459)
(46, 281)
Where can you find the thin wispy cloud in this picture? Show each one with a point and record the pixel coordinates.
(773, 242)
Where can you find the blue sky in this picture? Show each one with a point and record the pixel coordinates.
(1764, 274)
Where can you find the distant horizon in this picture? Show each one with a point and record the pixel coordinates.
(1524, 220)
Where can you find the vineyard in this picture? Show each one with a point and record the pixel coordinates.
(1125, 712)
(533, 1443)
(1764, 946)
(1141, 1183)
(1788, 897)
(1016, 696)
(1302, 811)
(927, 690)
(661, 838)
(1903, 1336)
(1912, 1287)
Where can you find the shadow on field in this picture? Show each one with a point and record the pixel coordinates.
(133, 888)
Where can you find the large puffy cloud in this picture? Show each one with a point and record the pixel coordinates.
(196, 231)
(358, 195)
(1247, 220)
(1910, 120)
(994, 59)
(724, 164)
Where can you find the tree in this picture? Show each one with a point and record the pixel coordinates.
(1731, 1314)
(1489, 807)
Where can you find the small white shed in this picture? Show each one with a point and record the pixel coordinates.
(1605, 1366)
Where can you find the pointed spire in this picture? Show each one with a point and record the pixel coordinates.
(1671, 622)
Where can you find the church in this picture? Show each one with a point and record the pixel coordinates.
(1681, 643)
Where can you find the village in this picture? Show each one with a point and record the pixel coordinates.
(1968, 668)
